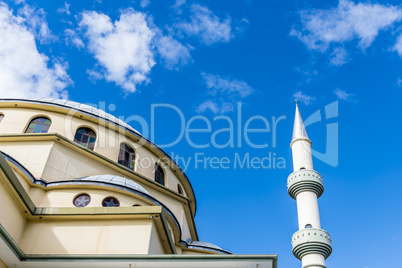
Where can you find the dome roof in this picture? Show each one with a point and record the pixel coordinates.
(116, 180)
(204, 244)
(79, 107)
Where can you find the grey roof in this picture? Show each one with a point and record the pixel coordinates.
(299, 130)
(204, 244)
(116, 180)
(83, 108)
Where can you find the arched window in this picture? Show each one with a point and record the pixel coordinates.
(308, 226)
(179, 189)
(39, 125)
(126, 156)
(86, 137)
(1, 117)
(159, 175)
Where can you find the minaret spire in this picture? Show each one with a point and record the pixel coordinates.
(299, 130)
(311, 244)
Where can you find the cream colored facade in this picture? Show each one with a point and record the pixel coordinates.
(42, 174)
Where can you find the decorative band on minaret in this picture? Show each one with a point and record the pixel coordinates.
(311, 244)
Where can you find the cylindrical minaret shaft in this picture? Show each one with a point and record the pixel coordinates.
(311, 244)
(307, 210)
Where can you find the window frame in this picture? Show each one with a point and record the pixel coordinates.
(134, 153)
(163, 174)
(180, 189)
(79, 142)
(80, 194)
(36, 117)
(115, 198)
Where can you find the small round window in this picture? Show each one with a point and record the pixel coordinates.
(110, 202)
(82, 200)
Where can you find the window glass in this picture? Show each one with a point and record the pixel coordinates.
(39, 125)
(179, 189)
(82, 200)
(86, 137)
(110, 202)
(126, 156)
(159, 175)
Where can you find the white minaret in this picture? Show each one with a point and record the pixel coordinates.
(311, 244)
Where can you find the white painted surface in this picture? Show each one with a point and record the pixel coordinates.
(311, 259)
(307, 203)
(307, 210)
(301, 151)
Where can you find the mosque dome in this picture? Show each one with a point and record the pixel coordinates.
(115, 180)
(72, 105)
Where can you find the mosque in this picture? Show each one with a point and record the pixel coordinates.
(72, 194)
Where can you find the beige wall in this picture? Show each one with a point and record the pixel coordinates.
(54, 160)
(74, 236)
(64, 197)
(155, 244)
(11, 217)
(107, 144)
(2, 264)
(31, 154)
(87, 237)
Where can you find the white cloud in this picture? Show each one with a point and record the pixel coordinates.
(72, 38)
(399, 82)
(65, 9)
(207, 26)
(343, 95)
(228, 85)
(94, 75)
(35, 21)
(24, 72)
(208, 105)
(144, 3)
(177, 6)
(223, 93)
(301, 97)
(346, 22)
(126, 48)
(398, 45)
(179, 3)
(123, 48)
(339, 56)
(172, 52)
(19, 1)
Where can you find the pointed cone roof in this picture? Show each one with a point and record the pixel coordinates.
(299, 130)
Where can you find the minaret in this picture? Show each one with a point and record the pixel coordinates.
(311, 244)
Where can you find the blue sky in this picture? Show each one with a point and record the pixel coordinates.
(205, 57)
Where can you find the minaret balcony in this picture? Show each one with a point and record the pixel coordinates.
(305, 180)
(311, 241)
